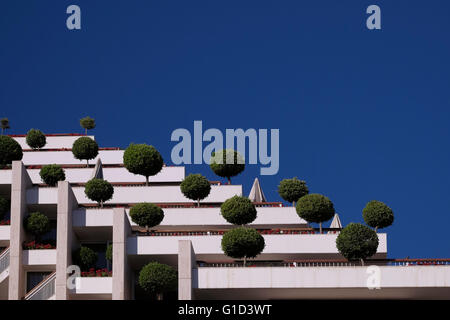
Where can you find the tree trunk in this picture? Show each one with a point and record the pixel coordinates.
(320, 227)
(245, 261)
(101, 203)
(146, 181)
(198, 203)
(85, 131)
(376, 228)
(229, 180)
(362, 261)
(293, 203)
(159, 296)
(87, 161)
(146, 230)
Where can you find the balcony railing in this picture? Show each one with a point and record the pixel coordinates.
(44, 290)
(4, 260)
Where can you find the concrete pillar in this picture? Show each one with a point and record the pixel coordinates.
(186, 270)
(121, 270)
(64, 237)
(20, 182)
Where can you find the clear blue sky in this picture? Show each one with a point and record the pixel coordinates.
(362, 114)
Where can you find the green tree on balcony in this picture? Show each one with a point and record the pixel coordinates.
(146, 215)
(87, 123)
(376, 214)
(292, 189)
(85, 258)
(238, 210)
(10, 150)
(85, 148)
(242, 242)
(99, 190)
(51, 174)
(227, 163)
(195, 187)
(315, 208)
(4, 124)
(157, 278)
(143, 159)
(37, 224)
(36, 139)
(357, 242)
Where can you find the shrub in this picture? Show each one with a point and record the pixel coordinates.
(36, 139)
(146, 214)
(85, 258)
(292, 189)
(109, 252)
(51, 174)
(37, 224)
(238, 210)
(85, 148)
(195, 187)
(224, 168)
(158, 278)
(315, 208)
(87, 123)
(99, 190)
(357, 242)
(242, 243)
(10, 150)
(4, 207)
(143, 159)
(378, 215)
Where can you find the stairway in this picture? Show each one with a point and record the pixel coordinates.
(4, 264)
(44, 290)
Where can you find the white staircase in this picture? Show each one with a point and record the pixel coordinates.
(4, 265)
(44, 290)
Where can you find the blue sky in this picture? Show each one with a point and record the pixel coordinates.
(362, 114)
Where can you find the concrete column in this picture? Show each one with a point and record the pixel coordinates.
(20, 182)
(186, 270)
(65, 237)
(121, 270)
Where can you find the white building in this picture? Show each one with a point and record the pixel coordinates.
(296, 263)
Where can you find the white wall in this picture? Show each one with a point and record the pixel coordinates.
(39, 257)
(93, 285)
(53, 142)
(66, 157)
(5, 176)
(4, 233)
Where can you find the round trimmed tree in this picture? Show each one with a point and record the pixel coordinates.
(242, 242)
(99, 190)
(376, 214)
(146, 215)
(143, 159)
(85, 148)
(157, 278)
(51, 174)
(227, 163)
(4, 207)
(315, 208)
(87, 123)
(195, 187)
(37, 224)
(238, 210)
(357, 242)
(10, 150)
(292, 189)
(36, 139)
(85, 258)
(4, 122)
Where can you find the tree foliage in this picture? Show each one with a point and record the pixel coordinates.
(292, 189)
(238, 210)
(10, 150)
(37, 224)
(143, 159)
(242, 242)
(36, 139)
(315, 208)
(378, 215)
(357, 242)
(4, 124)
(158, 278)
(146, 214)
(109, 252)
(227, 163)
(51, 174)
(87, 123)
(85, 148)
(99, 190)
(195, 187)
(85, 258)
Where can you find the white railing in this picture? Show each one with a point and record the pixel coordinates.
(4, 260)
(43, 291)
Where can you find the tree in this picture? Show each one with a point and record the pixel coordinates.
(37, 224)
(227, 163)
(292, 189)
(109, 252)
(143, 159)
(87, 123)
(357, 242)
(51, 174)
(36, 139)
(315, 208)
(85, 148)
(242, 243)
(195, 187)
(146, 215)
(99, 190)
(85, 258)
(10, 150)
(238, 210)
(5, 124)
(378, 215)
(158, 278)
(4, 207)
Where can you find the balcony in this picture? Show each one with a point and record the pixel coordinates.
(92, 288)
(5, 234)
(39, 257)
